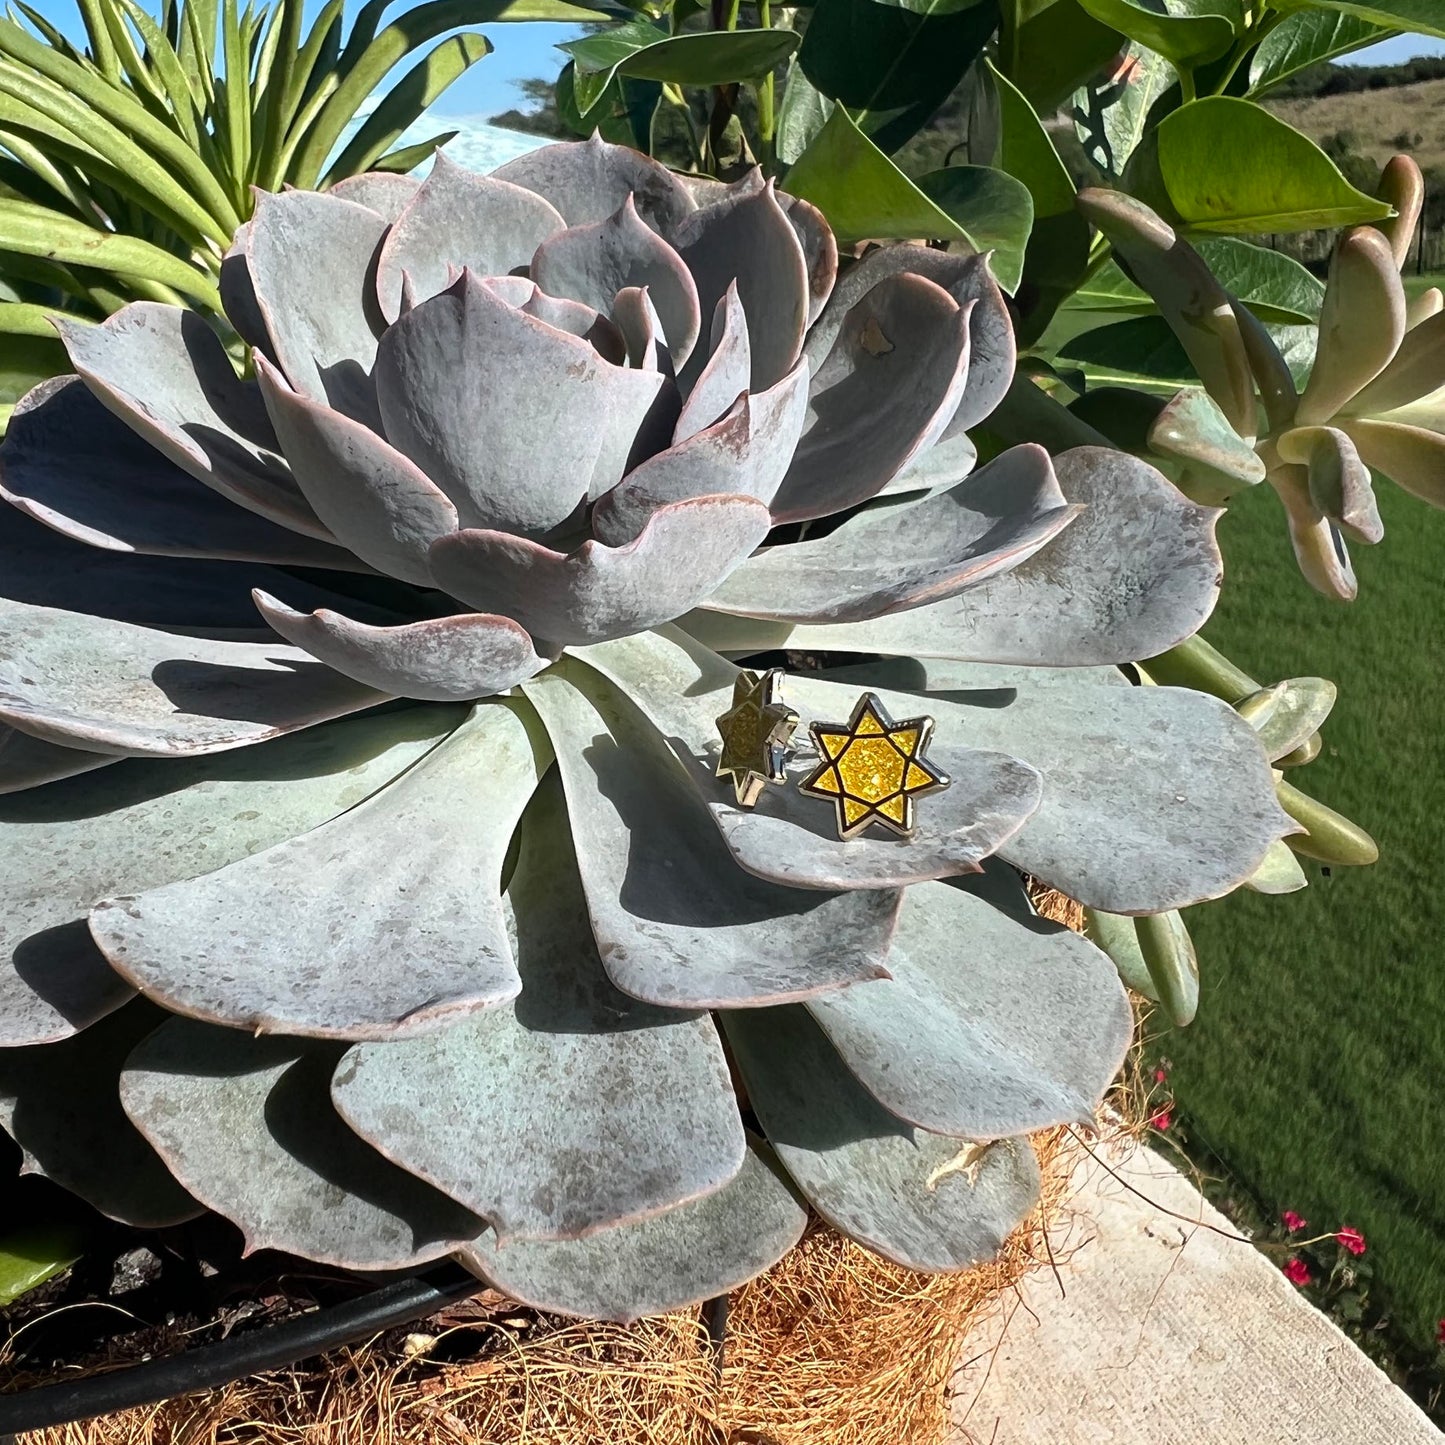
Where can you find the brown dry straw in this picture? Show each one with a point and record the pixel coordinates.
(832, 1346)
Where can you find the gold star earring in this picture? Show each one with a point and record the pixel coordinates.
(871, 769)
(755, 733)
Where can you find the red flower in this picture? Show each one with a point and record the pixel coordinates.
(1293, 1222)
(1352, 1239)
(1160, 1075)
(1162, 1119)
(1440, 1333)
(1297, 1272)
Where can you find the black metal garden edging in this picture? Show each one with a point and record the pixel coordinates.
(209, 1366)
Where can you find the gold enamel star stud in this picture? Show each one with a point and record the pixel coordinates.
(872, 769)
(755, 732)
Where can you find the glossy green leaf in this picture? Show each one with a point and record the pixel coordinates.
(993, 209)
(641, 50)
(1230, 166)
(407, 101)
(31, 1255)
(1424, 17)
(1142, 350)
(1308, 38)
(893, 65)
(801, 115)
(1025, 151)
(1056, 51)
(623, 116)
(167, 67)
(861, 192)
(406, 159)
(38, 231)
(1188, 32)
(1112, 119)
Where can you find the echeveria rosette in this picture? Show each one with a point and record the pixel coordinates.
(420, 928)
(1373, 404)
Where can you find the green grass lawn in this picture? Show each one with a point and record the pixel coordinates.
(1316, 1069)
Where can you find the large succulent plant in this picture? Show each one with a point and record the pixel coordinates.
(383, 981)
(1373, 403)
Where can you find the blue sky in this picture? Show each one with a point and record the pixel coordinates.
(525, 50)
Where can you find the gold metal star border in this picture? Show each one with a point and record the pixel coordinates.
(755, 732)
(873, 768)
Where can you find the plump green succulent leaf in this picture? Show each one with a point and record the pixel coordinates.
(1192, 430)
(1328, 836)
(1230, 166)
(993, 209)
(246, 1125)
(919, 1043)
(683, 687)
(1308, 37)
(925, 1201)
(142, 824)
(1416, 371)
(1280, 872)
(677, 922)
(693, 1252)
(1189, 32)
(33, 1254)
(61, 1105)
(336, 933)
(1168, 953)
(893, 65)
(1118, 936)
(631, 1103)
(1061, 608)
(1412, 457)
(895, 555)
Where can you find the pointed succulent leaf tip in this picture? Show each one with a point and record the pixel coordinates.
(1271, 371)
(1339, 482)
(1198, 309)
(925, 1201)
(991, 346)
(1418, 309)
(891, 557)
(604, 336)
(953, 1044)
(645, 347)
(461, 219)
(1403, 186)
(746, 453)
(727, 371)
(511, 418)
(593, 263)
(1318, 546)
(144, 824)
(820, 250)
(384, 192)
(1362, 323)
(69, 463)
(374, 500)
(1178, 806)
(694, 1252)
(1411, 456)
(1279, 873)
(1193, 430)
(165, 374)
(597, 592)
(338, 933)
(1137, 572)
(572, 1108)
(27, 762)
(676, 923)
(746, 237)
(246, 1125)
(883, 395)
(790, 839)
(443, 659)
(60, 1104)
(1416, 371)
(1287, 715)
(312, 257)
(588, 181)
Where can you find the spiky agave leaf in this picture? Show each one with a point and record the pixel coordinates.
(456, 978)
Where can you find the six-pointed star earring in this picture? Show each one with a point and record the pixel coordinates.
(872, 768)
(755, 733)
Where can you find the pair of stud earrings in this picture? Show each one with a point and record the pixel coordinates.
(870, 768)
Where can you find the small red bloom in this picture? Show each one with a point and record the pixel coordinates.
(1160, 1075)
(1352, 1239)
(1297, 1272)
(1440, 1333)
(1293, 1222)
(1162, 1119)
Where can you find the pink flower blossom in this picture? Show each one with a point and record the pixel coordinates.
(1297, 1272)
(1162, 1119)
(1351, 1239)
(1160, 1075)
(1293, 1222)
(1440, 1333)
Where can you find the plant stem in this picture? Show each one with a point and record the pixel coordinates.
(766, 119)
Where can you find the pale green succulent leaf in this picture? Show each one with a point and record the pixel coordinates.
(1287, 715)
(1328, 836)
(1168, 953)
(1412, 457)
(1193, 430)
(1118, 936)
(1279, 873)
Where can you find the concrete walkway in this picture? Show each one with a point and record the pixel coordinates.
(1168, 1333)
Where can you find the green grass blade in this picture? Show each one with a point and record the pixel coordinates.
(273, 75)
(238, 102)
(168, 69)
(198, 47)
(40, 231)
(407, 100)
(125, 113)
(102, 48)
(51, 35)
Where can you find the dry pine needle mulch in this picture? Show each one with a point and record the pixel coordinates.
(832, 1346)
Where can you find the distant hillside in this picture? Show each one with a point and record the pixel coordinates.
(1376, 123)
